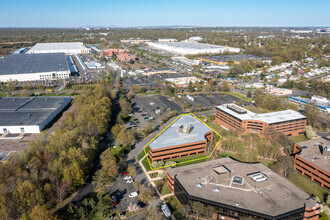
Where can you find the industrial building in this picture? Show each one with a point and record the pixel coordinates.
(29, 114)
(191, 48)
(322, 103)
(183, 81)
(234, 117)
(236, 189)
(63, 47)
(185, 137)
(312, 160)
(186, 61)
(223, 60)
(32, 67)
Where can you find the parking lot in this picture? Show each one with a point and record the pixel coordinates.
(202, 100)
(121, 190)
(145, 107)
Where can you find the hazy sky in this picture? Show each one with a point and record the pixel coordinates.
(73, 13)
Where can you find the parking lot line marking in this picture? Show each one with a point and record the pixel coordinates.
(146, 154)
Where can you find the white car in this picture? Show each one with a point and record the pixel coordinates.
(133, 194)
(129, 181)
(128, 177)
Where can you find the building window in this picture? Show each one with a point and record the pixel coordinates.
(22, 130)
(5, 130)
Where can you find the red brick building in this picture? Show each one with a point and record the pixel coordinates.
(187, 136)
(123, 57)
(111, 52)
(312, 160)
(233, 117)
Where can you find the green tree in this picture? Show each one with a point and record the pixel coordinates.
(249, 94)
(225, 87)
(153, 213)
(116, 129)
(131, 170)
(126, 137)
(147, 195)
(109, 170)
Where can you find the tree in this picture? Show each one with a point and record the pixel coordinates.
(225, 87)
(153, 213)
(131, 170)
(126, 137)
(147, 195)
(276, 60)
(109, 170)
(309, 132)
(40, 213)
(116, 129)
(197, 208)
(125, 106)
(249, 94)
(190, 87)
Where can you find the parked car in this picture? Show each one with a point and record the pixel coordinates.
(166, 210)
(132, 124)
(127, 177)
(124, 173)
(133, 194)
(111, 217)
(122, 214)
(129, 181)
(114, 200)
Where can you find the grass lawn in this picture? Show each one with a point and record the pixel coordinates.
(220, 130)
(240, 96)
(299, 138)
(146, 164)
(266, 162)
(162, 187)
(308, 186)
(225, 154)
(174, 206)
(141, 154)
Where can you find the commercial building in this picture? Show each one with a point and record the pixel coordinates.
(32, 67)
(186, 61)
(223, 60)
(236, 189)
(29, 114)
(183, 81)
(191, 48)
(167, 40)
(233, 117)
(135, 41)
(278, 91)
(63, 47)
(111, 52)
(185, 137)
(322, 103)
(124, 57)
(312, 159)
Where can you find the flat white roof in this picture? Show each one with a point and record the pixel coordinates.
(171, 136)
(58, 46)
(270, 118)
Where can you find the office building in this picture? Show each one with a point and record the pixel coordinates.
(312, 160)
(111, 52)
(187, 136)
(233, 117)
(124, 57)
(29, 114)
(62, 47)
(183, 81)
(236, 189)
(32, 67)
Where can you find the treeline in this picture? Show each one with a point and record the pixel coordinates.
(56, 164)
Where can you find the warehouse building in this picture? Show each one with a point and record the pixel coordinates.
(63, 47)
(312, 159)
(32, 67)
(233, 117)
(236, 189)
(29, 114)
(187, 136)
(191, 48)
(183, 81)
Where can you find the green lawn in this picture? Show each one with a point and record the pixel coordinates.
(225, 154)
(308, 186)
(146, 164)
(299, 138)
(240, 96)
(141, 154)
(162, 187)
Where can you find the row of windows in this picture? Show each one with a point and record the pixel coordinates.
(312, 167)
(176, 154)
(5, 130)
(314, 174)
(229, 121)
(289, 124)
(176, 148)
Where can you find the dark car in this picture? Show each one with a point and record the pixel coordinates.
(122, 214)
(132, 124)
(114, 200)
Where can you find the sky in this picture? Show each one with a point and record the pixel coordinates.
(132, 13)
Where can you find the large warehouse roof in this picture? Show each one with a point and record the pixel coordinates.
(21, 111)
(63, 46)
(186, 48)
(171, 136)
(33, 63)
